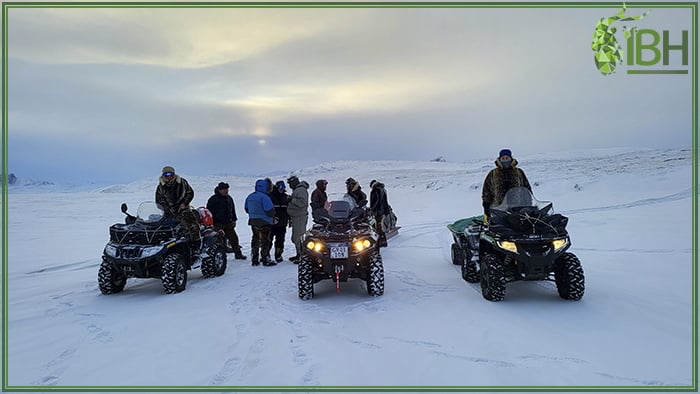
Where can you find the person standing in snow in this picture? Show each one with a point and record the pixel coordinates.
(355, 191)
(174, 195)
(298, 209)
(280, 200)
(223, 210)
(505, 176)
(319, 198)
(261, 213)
(379, 207)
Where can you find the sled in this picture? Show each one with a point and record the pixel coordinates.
(465, 233)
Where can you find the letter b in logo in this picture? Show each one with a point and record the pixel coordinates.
(645, 41)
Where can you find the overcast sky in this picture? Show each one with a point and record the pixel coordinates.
(112, 95)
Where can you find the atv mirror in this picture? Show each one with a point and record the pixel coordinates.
(124, 207)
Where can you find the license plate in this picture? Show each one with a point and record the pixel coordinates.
(339, 251)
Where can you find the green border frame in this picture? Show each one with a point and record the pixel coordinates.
(693, 6)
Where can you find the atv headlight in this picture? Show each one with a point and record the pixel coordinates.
(508, 245)
(315, 246)
(361, 244)
(110, 250)
(151, 251)
(560, 243)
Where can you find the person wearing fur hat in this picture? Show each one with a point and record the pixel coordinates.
(223, 210)
(174, 195)
(355, 191)
(505, 176)
(379, 207)
(280, 200)
(261, 213)
(298, 209)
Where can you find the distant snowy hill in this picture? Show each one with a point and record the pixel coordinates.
(630, 221)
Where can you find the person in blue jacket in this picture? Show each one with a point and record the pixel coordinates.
(261, 214)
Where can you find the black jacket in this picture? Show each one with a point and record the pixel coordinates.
(359, 196)
(280, 200)
(222, 208)
(379, 206)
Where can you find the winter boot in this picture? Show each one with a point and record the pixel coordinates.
(267, 261)
(278, 254)
(240, 256)
(294, 259)
(254, 259)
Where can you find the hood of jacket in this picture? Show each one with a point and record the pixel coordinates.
(262, 186)
(176, 180)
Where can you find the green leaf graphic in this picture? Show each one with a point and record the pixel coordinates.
(608, 52)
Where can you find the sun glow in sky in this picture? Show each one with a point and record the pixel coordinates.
(207, 89)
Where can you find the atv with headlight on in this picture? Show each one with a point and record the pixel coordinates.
(151, 245)
(523, 241)
(339, 246)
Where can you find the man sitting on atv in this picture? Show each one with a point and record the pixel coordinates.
(174, 195)
(506, 175)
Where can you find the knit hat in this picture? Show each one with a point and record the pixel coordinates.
(505, 152)
(168, 169)
(222, 185)
(280, 186)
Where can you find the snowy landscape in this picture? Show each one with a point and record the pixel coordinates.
(630, 222)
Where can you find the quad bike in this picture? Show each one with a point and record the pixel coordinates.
(340, 245)
(523, 240)
(151, 245)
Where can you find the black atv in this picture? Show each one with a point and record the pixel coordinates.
(523, 240)
(150, 245)
(340, 245)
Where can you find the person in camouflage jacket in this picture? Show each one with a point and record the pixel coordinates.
(505, 176)
(174, 195)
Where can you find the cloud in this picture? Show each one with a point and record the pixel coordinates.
(323, 84)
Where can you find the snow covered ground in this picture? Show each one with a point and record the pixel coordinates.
(629, 220)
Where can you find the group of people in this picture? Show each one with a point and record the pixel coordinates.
(271, 210)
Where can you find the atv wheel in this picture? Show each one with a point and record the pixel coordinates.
(469, 271)
(568, 274)
(215, 265)
(375, 279)
(493, 279)
(174, 275)
(109, 279)
(457, 255)
(306, 283)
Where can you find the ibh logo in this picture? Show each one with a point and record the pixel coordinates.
(608, 52)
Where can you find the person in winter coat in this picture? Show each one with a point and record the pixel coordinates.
(319, 198)
(379, 207)
(298, 210)
(174, 195)
(223, 210)
(355, 191)
(261, 213)
(506, 175)
(280, 200)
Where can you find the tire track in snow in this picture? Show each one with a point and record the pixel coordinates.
(644, 382)
(77, 266)
(418, 289)
(647, 201)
